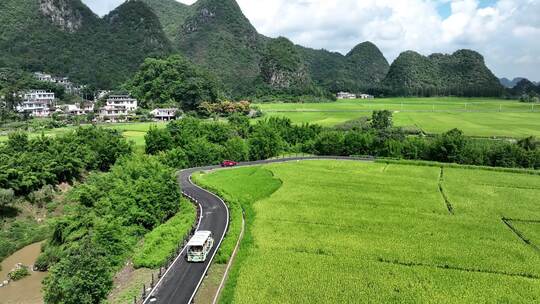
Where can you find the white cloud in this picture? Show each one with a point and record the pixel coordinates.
(507, 32)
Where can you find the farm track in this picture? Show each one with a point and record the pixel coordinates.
(181, 280)
(519, 234)
(524, 221)
(443, 194)
(457, 268)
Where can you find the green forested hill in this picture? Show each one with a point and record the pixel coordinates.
(360, 70)
(463, 73)
(171, 13)
(219, 37)
(64, 37)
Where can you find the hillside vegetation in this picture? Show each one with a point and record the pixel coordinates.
(463, 73)
(64, 37)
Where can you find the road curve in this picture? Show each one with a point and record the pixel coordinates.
(181, 281)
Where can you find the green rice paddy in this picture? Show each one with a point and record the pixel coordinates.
(476, 116)
(134, 132)
(349, 232)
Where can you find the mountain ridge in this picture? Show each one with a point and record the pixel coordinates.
(64, 37)
(462, 73)
(216, 35)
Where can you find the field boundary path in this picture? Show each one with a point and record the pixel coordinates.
(182, 280)
(231, 260)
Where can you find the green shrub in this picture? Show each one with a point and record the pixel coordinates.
(42, 196)
(20, 272)
(7, 197)
(15, 234)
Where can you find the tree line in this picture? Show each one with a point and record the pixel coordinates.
(29, 164)
(191, 142)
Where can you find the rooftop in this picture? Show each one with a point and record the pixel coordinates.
(199, 238)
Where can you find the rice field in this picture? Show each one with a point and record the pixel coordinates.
(134, 132)
(476, 117)
(349, 232)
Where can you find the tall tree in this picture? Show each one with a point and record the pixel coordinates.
(174, 80)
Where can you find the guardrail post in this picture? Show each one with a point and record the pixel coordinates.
(134, 299)
(144, 291)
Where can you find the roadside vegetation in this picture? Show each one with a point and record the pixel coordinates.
(262, 185)
(160, 243)
(383, 232)
(113, 211)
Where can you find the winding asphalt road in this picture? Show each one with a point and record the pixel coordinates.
(181, 281)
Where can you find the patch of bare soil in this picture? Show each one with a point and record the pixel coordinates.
(210, 284)
(128, 283)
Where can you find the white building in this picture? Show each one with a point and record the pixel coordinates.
(77, 109)
(43, 77)
(164, 114)
(61, 81)
(366, 96)
(346, 95)
(39, 103)
(118, 108)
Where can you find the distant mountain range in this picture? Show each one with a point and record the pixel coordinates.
(507, 83)
(64, 37)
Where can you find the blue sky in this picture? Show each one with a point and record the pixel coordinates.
(506, 32)
(445, 10)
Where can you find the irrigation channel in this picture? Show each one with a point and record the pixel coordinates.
(181, 280)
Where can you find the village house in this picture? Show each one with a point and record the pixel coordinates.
(346, 95)
(118, 108)
(366, 96)
(164, 114)
(79, 109)
(38, 103)
(61, 81)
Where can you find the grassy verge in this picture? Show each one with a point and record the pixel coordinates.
(125, 294)
(235, 221)
(447, 165)
(160, 243)
(238, 196)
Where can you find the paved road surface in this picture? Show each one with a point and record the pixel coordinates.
(182, 280)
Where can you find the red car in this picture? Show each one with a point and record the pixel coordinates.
(228, 163)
